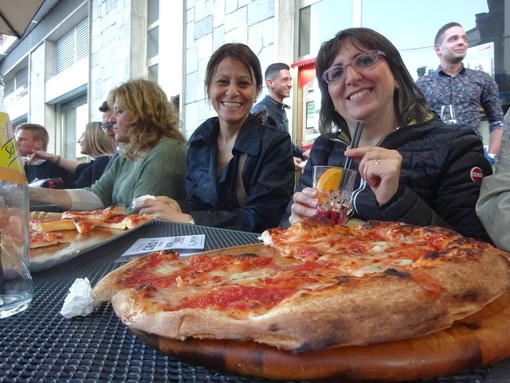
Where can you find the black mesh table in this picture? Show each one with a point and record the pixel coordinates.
(39, 345)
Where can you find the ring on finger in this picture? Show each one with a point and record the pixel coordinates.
(378, 159)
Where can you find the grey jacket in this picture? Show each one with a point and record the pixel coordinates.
(493, 206)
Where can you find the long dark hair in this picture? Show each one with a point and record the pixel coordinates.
(408, 100)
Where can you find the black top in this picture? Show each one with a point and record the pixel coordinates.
(48, 169)
(440, 177)
(88, 173)
(277, 116)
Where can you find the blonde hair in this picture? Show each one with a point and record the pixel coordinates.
(154, 116)
(97, 141)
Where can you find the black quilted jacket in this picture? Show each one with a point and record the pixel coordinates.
(438, 179)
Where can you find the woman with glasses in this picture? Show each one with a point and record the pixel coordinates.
(411, 166)
(95, 144)
(153, 154)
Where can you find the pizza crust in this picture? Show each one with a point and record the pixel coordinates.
(355, 315)
(44, 239)
(51, 224)
(126, 221)
(442, 287)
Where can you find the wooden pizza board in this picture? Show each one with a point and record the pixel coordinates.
(477, 341)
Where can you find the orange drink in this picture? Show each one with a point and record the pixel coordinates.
(334, 188)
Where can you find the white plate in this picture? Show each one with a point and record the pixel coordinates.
(45, 257)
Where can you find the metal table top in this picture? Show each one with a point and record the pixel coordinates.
(41, 345)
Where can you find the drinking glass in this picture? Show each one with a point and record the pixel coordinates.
(448, 114)
(334, 189)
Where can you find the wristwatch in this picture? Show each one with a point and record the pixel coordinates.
(191, 220)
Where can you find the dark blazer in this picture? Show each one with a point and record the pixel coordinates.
(267, 177)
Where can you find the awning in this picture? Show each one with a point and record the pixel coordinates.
(16, 15)
(303, 63)
(306, 71)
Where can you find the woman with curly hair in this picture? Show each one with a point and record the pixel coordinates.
(153, 154)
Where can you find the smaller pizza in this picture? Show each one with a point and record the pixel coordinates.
(44, 239)
(126, 221)
(85, 221)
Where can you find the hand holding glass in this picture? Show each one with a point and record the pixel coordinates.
(448, 114)
(334, 189)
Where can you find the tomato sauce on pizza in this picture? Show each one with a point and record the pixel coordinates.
(312, 285)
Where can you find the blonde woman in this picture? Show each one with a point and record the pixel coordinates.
(96, 144)
(153, 154)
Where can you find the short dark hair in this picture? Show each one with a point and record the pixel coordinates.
(443, 29)
(274, 69)
(104, 107)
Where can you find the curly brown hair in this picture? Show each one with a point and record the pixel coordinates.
(154, 116)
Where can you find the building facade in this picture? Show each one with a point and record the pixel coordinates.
(61, 71)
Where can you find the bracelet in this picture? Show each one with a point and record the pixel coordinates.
(58, 159)
(191, 220)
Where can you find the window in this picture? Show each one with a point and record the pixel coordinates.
(320, 21)
(153, 73)
(17, 84)
(152, 43)
(73, 46)
(152, 11)
(74, 118)
(153, 39)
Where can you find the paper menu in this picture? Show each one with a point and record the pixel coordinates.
(186, 244)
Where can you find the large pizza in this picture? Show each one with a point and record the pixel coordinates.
(312, 286)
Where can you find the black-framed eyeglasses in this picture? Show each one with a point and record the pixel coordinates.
(362, 61)
(106, 127)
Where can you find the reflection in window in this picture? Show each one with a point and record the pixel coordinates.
(320, 22)
(153, 42)
(152, 11)
(153, 39)
(153, 73)
(74, 119)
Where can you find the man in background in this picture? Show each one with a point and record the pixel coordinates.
(108, 129)
(467, 89)
(30, 137)
(279, 84)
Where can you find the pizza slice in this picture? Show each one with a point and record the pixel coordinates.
(44, 239)
(123, 221)
(291, 241)
(51, 224)
(85, 221)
